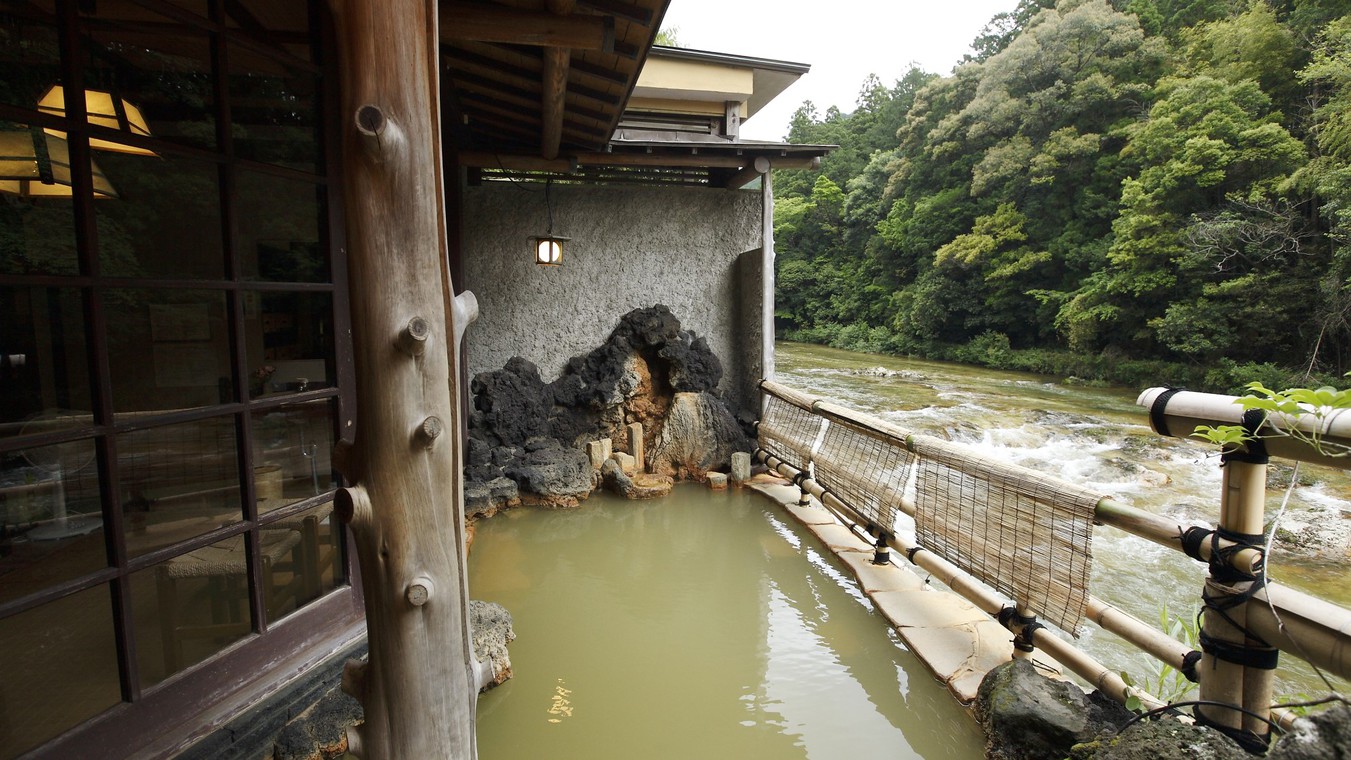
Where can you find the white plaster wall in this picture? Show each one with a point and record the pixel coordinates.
(631, 247)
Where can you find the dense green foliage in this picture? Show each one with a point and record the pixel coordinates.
(1107, 188)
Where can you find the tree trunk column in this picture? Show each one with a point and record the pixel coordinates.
(404, 502)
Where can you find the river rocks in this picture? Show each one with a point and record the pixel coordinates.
(647, 392)
(1325, 735)
(1028, 716)
(552, 476)
(486, 498)
(1164, 739)
(492, 631)
(698, 435)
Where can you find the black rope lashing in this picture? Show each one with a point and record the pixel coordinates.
(1249, 656)
(800, 477)
(1252, 743)
(1254, 450)
(911, 552)
(881, 551)
(1023, 641)
(1221, 557)
(1157, 417)
(1189, 662)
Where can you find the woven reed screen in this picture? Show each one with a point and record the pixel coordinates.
(789, 432)
(1027, 535)
(864, 471)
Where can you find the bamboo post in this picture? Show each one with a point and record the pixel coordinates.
(404, 503)
(1241, 511)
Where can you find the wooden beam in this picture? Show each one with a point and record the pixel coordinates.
(554, 100)
(627, 11)
(488, 66)
(512, 93)
(474, 100)
(480, 23)
(748, 174)
(554, 83)
(487, 160)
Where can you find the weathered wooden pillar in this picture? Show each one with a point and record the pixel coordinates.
(404, 502)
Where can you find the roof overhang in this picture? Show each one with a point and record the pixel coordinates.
(541, 77)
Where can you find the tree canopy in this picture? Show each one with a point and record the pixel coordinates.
(1133, 179)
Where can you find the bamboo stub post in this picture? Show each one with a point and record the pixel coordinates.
(403, 501)
(1228, 673)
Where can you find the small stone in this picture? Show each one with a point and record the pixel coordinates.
(635, 431)
(626, 462)
(717, 481)
(598, 451)
(741, 467)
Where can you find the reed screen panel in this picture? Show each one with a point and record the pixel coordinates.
(1025, 534)
(789, 432)
(864, 471)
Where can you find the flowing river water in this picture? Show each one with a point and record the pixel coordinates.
(707, 624)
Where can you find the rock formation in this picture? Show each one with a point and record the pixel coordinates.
(528, 440)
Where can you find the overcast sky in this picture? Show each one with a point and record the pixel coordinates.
(843, 40)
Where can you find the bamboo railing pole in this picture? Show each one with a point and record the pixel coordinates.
(1144, 637)
(1308, 627)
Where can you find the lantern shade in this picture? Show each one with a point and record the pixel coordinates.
(37, 165)
(549, 249)
(103, 110)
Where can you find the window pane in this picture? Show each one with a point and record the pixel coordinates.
(191, 607)
(169, 349)
(274, 110)
(157, 66)
(37, 221)
(165, 221)
(292, 449)
(311, 568)
(178, 482)
(30, 56)
(60, 668)
(44, 371)
(50, 520)
(279, 222)
(290, 342)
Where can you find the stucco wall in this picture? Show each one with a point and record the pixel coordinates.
(631, 247)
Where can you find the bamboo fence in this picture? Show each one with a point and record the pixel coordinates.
(996, 533)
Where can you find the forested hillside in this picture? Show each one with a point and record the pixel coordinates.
(1144, 191)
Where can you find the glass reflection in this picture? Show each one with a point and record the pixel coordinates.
(166, 221)
(290, 342)
(194, 605)
(162, 67)
(44, 371)
(274, 110)
(169, 349)
(30, 54)
(313, 566)
(50, 519)
(178, 482)
(279, 238)
(60, 668)
(292, 449)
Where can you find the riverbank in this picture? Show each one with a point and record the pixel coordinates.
(992, 350)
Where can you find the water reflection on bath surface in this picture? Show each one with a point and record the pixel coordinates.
(704, 625)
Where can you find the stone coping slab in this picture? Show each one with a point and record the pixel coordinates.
(954, 639)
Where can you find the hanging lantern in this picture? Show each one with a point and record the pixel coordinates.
(36, 165)
(103, 109)
(549, 249)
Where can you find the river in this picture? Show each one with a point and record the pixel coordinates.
(1100, 438)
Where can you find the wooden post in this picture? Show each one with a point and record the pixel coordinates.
(405, 504)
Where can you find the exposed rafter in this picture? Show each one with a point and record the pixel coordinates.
(486, 23)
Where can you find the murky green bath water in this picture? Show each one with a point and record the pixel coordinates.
(704, 625)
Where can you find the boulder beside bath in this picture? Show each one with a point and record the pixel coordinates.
(649, 391)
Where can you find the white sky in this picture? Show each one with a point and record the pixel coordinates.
(843, 40)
